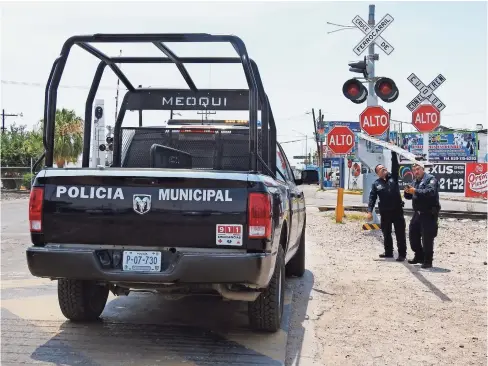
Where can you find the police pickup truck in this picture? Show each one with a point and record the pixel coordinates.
(194, 206)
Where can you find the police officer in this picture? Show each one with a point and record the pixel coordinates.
(390, 207)
(423, 226)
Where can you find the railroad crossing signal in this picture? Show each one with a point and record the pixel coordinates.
(340, 140)
(353, 89)
(426, 118)
(374, 120)
(426, 92)
(373, 35)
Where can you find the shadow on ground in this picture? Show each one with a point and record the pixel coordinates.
(302, 289)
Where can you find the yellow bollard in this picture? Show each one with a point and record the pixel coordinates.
(340, 205)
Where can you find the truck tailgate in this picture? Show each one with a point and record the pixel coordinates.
(133, 207)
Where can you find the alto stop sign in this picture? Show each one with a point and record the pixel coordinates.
(374, 120)
(340, 140)
(426, 118)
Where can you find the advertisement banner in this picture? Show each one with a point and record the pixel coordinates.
(451, 177)
(443, 147)
(477, 180)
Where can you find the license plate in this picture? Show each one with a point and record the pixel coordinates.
(138, 261)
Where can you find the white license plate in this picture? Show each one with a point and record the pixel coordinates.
(138, 261)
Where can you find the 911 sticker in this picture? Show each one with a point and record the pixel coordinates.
(229, 235)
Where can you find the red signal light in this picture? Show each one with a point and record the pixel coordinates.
(355, 91)
(386, 90)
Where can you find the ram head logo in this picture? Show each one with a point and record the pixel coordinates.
(141, 203)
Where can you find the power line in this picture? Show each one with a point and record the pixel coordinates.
(43, 85)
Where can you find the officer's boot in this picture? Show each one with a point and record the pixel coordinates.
(417, 259)
(427, 262)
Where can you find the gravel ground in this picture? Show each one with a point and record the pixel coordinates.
(9, 196)
(362, 310)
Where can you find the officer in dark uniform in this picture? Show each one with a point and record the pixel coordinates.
(423, 227)
(390, 207)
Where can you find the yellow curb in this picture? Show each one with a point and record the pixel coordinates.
(353, 192)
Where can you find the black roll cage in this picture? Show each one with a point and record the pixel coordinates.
(257, 98)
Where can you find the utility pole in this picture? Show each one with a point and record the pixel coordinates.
(321, 153)
(8, 115)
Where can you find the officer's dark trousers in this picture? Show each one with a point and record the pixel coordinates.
(422, 231)
(396, 218)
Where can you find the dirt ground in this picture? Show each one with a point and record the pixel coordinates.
(353, 308)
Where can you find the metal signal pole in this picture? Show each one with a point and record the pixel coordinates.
(117, 95)
(372, 97)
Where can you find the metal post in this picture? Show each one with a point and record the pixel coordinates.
(32, 176)
(117, 95)
(425, 137)
(321, 160)
(372, 97)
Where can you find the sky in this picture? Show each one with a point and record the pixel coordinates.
(302, 66)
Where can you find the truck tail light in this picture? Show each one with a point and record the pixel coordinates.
(35, 209)
(259, 216)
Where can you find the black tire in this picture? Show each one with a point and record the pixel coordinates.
(296, 265)
(81, 300)
(266, 311)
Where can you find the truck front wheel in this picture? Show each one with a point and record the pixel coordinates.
(266, 311)
(81, 300)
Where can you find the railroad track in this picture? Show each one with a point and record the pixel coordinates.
(444, 214)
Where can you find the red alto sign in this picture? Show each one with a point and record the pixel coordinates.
(374, 120)
(477, 180)
(426, 118)
(340, 140)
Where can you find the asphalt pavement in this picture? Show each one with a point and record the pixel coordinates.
(139, 329)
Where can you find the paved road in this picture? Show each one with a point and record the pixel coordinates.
(140, 329)
(325, 198)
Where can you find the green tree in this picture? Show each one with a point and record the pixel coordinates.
(68, 137)
(19, 145)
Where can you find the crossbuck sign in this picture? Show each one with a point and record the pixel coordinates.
(426, 92)
(372, 35)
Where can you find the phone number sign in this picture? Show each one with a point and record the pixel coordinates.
(451, 177)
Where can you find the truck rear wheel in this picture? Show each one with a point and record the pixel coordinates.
(296, 265)
(81, 300)
(266, 311)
